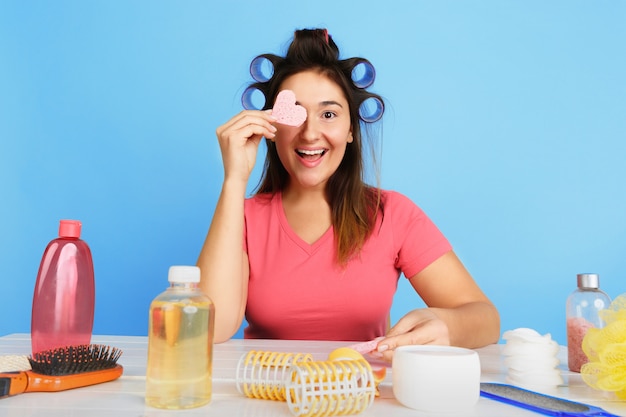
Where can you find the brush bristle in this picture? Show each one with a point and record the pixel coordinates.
(74, 359)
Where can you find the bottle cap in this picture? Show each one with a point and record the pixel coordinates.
(591, 281)
(69, 228)
(184, 274)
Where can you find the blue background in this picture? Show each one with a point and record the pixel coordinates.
(506, 123)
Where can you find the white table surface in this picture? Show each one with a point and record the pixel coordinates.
(125, 396)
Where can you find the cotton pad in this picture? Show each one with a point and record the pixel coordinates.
(531, 358)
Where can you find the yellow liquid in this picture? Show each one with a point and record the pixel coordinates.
(180, 353)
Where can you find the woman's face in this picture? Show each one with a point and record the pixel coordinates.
(312, 152)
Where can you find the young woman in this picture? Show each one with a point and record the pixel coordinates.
(316, 253)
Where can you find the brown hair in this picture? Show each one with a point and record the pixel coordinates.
(354, 204)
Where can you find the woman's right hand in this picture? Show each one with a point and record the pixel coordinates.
(239, 140)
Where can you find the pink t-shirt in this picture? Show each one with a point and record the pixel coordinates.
(297, 291)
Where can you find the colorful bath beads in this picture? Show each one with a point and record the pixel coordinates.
(576, 330)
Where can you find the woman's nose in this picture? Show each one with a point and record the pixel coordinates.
(310, 130)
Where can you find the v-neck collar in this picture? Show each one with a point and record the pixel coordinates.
(309, 248)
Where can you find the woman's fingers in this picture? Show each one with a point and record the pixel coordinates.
(259, 121)
(418, 327)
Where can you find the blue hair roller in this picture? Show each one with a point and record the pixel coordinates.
(371, 109)
(261, 69)
(363, 74)
(251, 96)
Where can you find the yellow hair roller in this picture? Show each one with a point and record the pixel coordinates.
(261, 374)
(343, 384)
(330, 388)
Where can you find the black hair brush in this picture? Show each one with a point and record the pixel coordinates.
(62, 369)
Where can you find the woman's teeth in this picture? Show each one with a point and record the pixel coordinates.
(311, 154)
(307, 152)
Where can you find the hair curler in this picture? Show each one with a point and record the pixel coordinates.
(328, 388)
(253, 98)
(343, 384)
(262, 68)
(262, 374)
(363, 73)
(371, 109)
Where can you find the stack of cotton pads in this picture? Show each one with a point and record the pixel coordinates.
(531, 358)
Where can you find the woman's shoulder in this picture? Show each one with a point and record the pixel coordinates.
(395, 200)
(263, 201)
(262, 198)
(398, 208)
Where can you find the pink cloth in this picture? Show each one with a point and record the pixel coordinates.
(297, 291)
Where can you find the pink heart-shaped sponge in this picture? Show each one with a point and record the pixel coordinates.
(286, 111)
(366, 347)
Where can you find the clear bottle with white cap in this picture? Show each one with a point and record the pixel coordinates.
(582, 308)
(180, 343)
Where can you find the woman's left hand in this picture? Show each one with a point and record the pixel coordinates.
(418, 327)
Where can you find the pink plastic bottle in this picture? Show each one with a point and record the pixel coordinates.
(64, 299)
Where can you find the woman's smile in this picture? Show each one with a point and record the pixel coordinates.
(311, 155)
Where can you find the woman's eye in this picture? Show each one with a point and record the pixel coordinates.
(328, 115)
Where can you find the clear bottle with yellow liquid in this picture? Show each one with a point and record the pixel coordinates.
(180, 343)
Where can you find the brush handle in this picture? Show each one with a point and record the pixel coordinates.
(13, 383)
(29, 381)
(540, 403)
